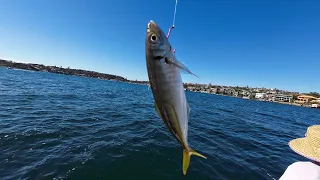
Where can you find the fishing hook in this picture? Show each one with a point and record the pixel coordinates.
(174, 19)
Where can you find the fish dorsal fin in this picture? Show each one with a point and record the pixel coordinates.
(179, 65)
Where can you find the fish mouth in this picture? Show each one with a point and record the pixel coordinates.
(151, 25)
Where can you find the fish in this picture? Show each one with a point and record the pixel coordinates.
(170, 103)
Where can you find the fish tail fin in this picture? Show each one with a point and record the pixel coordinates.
(186, 158)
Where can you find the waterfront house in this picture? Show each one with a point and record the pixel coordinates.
(214, 90)
(244, 93)
(283, 98)
(260, 95)
(306, 98)
(270, 97)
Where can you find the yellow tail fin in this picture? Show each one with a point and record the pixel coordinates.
(186, 158)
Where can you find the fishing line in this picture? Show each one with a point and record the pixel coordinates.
(175, 12)
(174, 19)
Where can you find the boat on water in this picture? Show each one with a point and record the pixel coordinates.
(315, 105)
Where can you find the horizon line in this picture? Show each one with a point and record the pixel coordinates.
(24, 62)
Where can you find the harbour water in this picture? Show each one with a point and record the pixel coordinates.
(67, 127)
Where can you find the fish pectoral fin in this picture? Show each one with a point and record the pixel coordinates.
(186, 158)
(179, 65)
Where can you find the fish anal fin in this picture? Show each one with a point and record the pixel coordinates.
(163, 115)
(186, 158)
(157, 110)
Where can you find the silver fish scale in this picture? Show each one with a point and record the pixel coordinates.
(168, 79)
(169, 84)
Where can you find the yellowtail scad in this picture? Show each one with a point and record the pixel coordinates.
(167, 88)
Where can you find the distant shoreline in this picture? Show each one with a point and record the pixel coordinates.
(66, 71)
(240, 92)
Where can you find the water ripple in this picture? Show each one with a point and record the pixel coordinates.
(68, 127)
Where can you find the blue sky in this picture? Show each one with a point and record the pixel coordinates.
(272, 44)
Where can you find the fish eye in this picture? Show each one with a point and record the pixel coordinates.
(153, 37)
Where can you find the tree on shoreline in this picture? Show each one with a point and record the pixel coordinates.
(315, 94)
